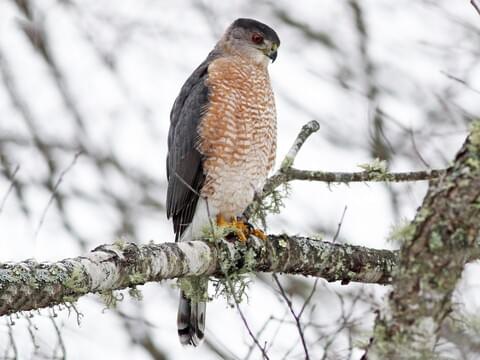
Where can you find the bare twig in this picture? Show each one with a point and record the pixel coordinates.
(259, 332)
(415, 149)
(309, 298)
(54, 192)
(295, 316)
(60, 347)
(10, 188)
(12, 345)
(339, 225)
(245, 322)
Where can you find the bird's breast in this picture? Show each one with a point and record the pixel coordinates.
(237, 133)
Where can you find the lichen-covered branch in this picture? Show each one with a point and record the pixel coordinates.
(437, 245)
(292, 174)
(307, 130)
(31, 285)
(373, 172)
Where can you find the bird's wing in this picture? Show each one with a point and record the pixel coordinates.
(184, 162)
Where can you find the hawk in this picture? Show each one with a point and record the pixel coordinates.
(221, 144)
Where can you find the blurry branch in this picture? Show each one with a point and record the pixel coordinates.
(31, 285)
(475, 5)
(308, 32)
(287, 173)
(435, 248)
(54, 191)
(139, 331)
(10, 188)
(33, 27)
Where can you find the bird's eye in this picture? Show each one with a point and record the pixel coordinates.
(257, 38)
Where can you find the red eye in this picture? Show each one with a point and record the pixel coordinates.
(257, 38)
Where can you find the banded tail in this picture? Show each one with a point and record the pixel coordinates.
(191, 321)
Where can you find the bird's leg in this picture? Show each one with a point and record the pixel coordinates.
(238, 228)
(242, 230)
(221, 222)
(249, 229)
(259, 234)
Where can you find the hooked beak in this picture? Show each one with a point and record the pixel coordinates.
(272, 53)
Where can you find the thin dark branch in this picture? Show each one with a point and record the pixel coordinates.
(476, 5)
(339, 225)
(245, 322)
(54, 192)
(309, 298)
(294, 315)
(10, 188)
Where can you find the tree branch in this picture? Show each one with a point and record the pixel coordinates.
(31, 285)
(292, 174)
(288, 173)
(437, 245)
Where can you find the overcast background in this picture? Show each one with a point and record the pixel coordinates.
(86, 88)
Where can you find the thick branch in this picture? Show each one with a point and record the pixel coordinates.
(438, 243)
(30, 285)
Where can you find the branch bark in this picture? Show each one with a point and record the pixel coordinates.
(31, 285)
(438, 244)
(287, 173)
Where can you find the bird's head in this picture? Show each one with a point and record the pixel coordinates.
(252, 39)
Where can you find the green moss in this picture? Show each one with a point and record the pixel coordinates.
(233, 287)
(137, 278)
(70, 299)
(272, 204)
(135, 293)
(475, 134)
(76, 281)
(473, 164)
(377, 169)
(110, 299)
(435, 241)
(402, 232)
(120, 243)
(194, 287)
(212, 232)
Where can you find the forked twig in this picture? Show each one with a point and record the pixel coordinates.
(295, 316)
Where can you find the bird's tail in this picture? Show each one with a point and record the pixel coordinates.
(191, 320)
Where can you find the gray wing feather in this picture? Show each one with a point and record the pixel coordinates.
(184, 162)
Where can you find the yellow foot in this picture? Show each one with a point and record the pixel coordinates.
(242, 230)
(221, 222)
(259, 234)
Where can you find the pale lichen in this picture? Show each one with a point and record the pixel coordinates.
(401, 232)
(377, 170)
(110, 298)
(194, 288)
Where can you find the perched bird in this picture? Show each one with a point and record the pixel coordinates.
(221, 144)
